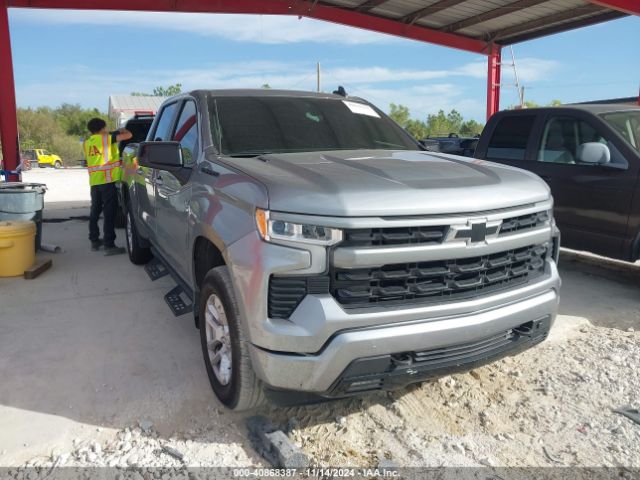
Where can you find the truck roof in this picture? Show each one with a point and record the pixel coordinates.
(264, 92)
(592, 108)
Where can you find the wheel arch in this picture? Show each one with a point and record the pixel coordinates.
(206, 255)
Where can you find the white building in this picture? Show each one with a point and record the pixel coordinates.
(123, 107)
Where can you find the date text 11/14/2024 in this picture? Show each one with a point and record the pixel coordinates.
(317, 472)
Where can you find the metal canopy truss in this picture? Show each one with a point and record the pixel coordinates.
(477, 26)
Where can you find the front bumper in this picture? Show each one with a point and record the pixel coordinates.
(312, 349)
(326, 371)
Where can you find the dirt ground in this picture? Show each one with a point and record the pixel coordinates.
(95, 370)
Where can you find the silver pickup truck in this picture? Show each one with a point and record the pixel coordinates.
(323, 251)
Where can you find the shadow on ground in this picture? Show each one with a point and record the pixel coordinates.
(606, 292)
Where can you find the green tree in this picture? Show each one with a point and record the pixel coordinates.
(400, 114)
(266, 86)
(439, 124)
(73, 118)
(161, 91)
(454, 120)
(58, 130)
(471, 128)
(416, 128)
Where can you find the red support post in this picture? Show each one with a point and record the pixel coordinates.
(8, 116)
(493, 80)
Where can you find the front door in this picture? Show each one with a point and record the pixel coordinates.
(147, 177)
(592, 202)
(174, 194)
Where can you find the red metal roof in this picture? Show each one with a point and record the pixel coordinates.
(469, 25)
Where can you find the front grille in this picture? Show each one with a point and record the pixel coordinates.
(432, 235)
(456, 353)
(379, 237)
(524, 222)
(437, 280)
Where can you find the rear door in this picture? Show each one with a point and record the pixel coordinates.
(146, 177)
(173, 192)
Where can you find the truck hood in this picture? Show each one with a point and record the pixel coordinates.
(388, 183)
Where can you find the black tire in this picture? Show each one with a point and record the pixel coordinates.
(138, 254)
(57, 164)
(244, 390)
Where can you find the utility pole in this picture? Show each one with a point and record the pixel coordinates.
(318, 76)
(519, 88)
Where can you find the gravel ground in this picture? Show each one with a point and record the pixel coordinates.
(550, 406)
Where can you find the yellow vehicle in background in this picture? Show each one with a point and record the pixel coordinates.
(43, 158)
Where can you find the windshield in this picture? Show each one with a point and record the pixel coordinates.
(626, 124)
(249, 126)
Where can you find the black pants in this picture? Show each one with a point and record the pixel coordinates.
(104, 199)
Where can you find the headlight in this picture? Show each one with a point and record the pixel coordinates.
(270, 230)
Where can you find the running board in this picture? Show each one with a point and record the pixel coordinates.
(156, 269)
(176, 303)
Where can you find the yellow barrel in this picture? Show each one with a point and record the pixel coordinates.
(17, 247)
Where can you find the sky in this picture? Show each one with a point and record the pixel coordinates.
(85, 56)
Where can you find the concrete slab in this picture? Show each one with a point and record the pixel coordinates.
(91, 343)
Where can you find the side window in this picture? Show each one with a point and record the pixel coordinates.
(509, 139)
(161, 132)
(561, 137)
(186, 131)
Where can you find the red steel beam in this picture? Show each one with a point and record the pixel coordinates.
(8, 122)
(301, 8)
(632, 7)
(493, 80)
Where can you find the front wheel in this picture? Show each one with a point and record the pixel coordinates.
(224, 345)
(57, 164)
(137, 254)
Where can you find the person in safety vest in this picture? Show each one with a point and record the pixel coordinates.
(105, 169)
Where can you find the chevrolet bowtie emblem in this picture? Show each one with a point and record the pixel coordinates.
(475, 231)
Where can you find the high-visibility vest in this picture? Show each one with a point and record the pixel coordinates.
(103, 159)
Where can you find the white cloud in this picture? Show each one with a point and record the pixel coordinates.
(529, 69)
(423, 100)
(269, 29)
(380, 85)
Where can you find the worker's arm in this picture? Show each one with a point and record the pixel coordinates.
(121, 134)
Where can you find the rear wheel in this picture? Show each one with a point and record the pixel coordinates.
(224, 345)
(137, 254)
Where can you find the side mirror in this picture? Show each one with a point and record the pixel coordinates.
(160, 155)
(594, 152)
